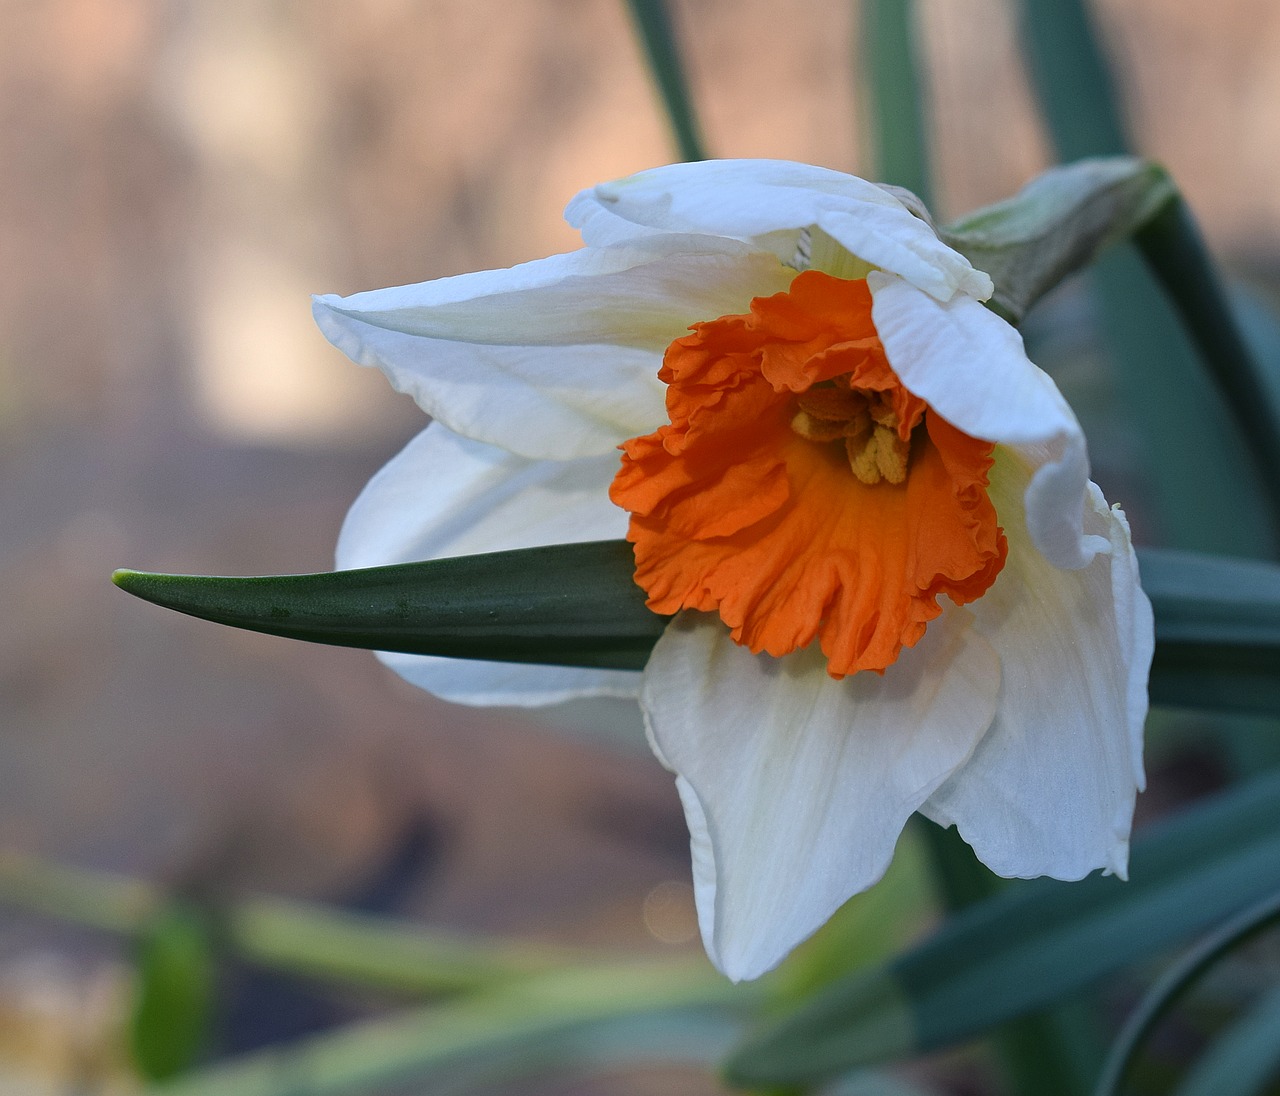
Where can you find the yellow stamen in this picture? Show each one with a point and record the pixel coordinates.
(866, 422)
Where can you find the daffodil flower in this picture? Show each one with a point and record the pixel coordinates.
(895, 587)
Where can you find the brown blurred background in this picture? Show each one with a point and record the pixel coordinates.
(175, 178)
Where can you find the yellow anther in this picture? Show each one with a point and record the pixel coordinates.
(866, 421)
(812, 428)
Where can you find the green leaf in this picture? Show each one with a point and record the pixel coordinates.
(1172, 246)
(1042, 1055)
(1207, 497)
(662, 51)
(298, 937)
(520, 1028)
(176, 987)
(566, 605)
(898, 131)
(1057, 224)
(1176, 981)
(1261, 329)
(1072, 79)
(1031, 946)
(1217, 619)
(1217, 631)
(1244, 1059)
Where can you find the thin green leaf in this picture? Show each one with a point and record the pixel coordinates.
(1208, 496)
(1046, 1054)
(569, 604)
(1175, 982)
(1217, 631)
(1031, 946)
(1072, 79)
(1214, 603)
(1058, 223)
(1244, 1059)
(898, 130)
(285, 935)
(1207, 493)
(177, 983)
(1217, 619)
(1176, 254)
(534, 1022)
(1260, 327)
(662, 51)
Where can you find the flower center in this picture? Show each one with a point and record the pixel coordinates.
(744, 505)
(862, 420)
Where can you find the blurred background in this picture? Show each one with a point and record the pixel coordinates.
(175, 179)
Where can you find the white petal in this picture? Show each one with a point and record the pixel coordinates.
(796, 786)
(971, 368)
(769, 202)
(1050, 790)
(556, 358)
(444, 495)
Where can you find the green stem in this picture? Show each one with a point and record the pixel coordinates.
(662, 51)
(541, 1020)
(1202, 506)
(1176, 254)
(284, 935)
(1072, 78)
(898, 130)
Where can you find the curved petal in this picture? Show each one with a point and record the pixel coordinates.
(796, 786)
(444, 495)
(971, 368)
(769, 202)
(556, 358)
(1050, 790)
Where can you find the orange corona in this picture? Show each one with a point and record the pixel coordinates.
(800, 492)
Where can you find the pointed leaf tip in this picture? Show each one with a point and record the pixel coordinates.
(1217, 619)
(567, 605)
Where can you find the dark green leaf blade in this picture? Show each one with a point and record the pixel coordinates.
(1072, 78)
(1244, 1059)
(1033, 945)
(1177, 981)
(565, 605)
(1207, 497)
(1177, 256)
(1217, 631)
(899, 130)
(662, 50)
(1217, 619)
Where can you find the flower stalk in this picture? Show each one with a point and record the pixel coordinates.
(1175, 251)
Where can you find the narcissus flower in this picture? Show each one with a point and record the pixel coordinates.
(896, 588)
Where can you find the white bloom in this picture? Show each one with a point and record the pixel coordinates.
(1017, 717)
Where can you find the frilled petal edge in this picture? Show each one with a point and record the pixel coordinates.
(795, 786)
(556, 358)
(971, 368)
(1050, 790)
(770, 202)
(444, 495)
